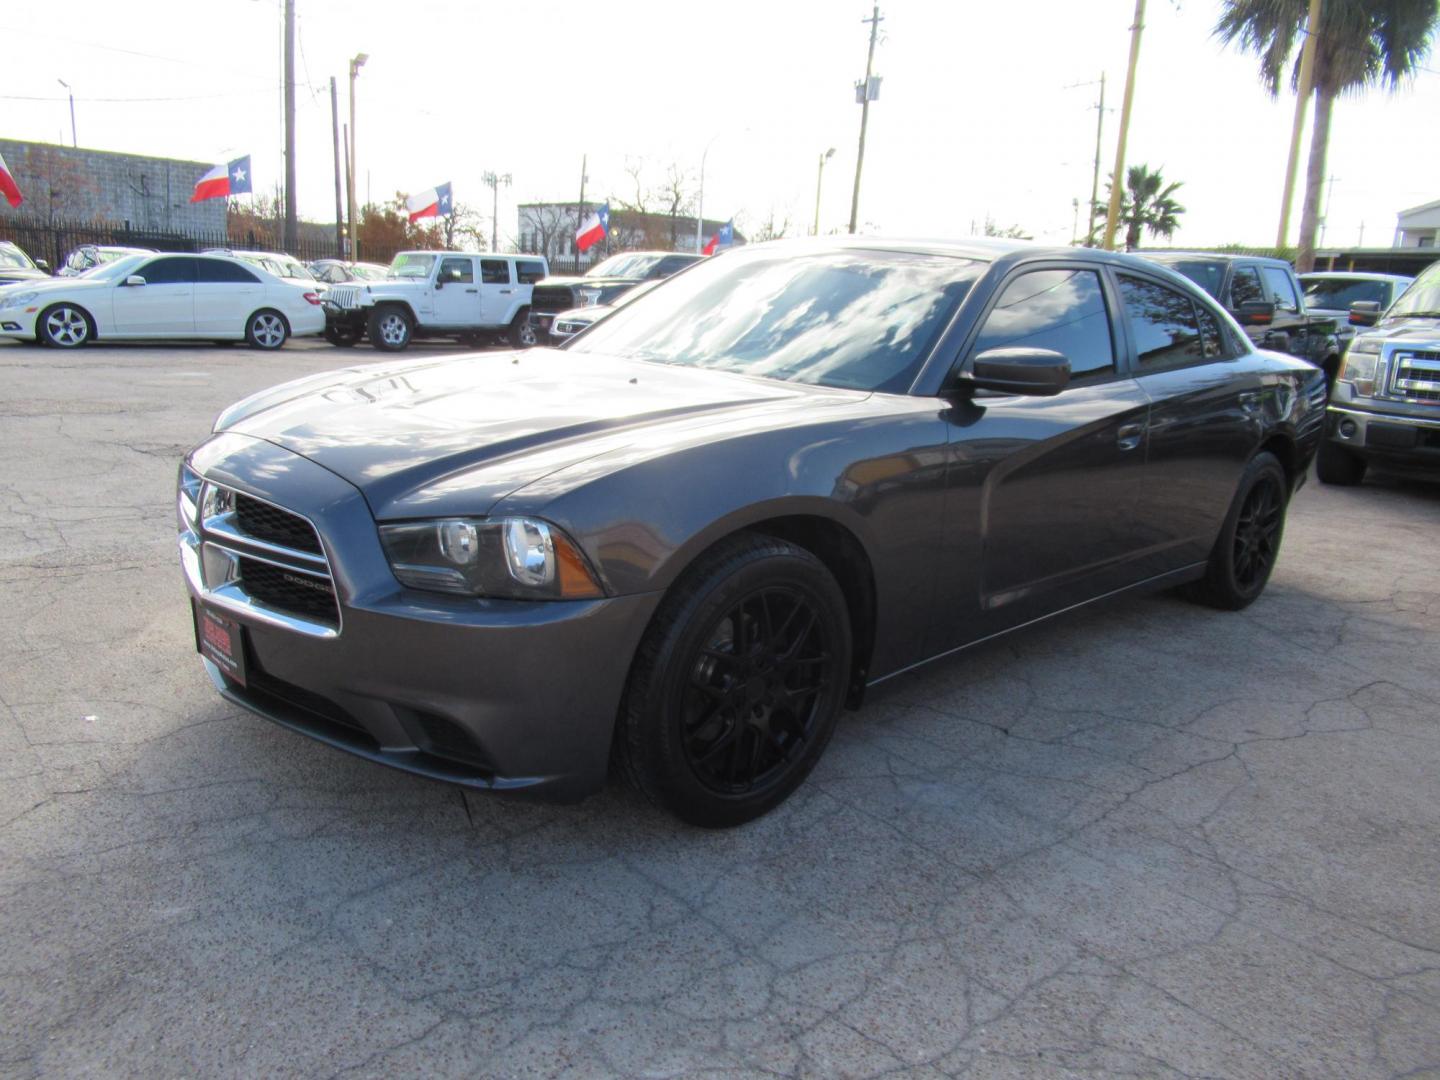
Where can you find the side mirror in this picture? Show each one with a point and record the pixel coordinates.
(1256, 313)
(1364, 313)
(42, 264)
(1039, 372)
(135, 279)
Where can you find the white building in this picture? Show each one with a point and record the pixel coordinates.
(1419, 226)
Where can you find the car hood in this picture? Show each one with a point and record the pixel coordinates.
(49, 285)
(11, 274)
(1411, 331)
(429, 437)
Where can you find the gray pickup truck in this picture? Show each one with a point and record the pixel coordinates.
(1385, 406)
(1266, 299)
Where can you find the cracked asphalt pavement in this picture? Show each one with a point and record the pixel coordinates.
(1153, 840)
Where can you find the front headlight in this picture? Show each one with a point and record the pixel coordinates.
(508, 558)
(589, 297)
(187, 499)
(1358, 368)
(21, 299)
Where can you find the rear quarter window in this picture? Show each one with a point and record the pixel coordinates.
(529, 271)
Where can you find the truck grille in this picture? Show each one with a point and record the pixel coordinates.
(345, 296)
(1416, 377)
(552, 298)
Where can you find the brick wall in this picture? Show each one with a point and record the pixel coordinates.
(152, 194)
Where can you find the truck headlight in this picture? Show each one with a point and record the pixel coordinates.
(187, 499)
(1358, 368)
(514, 558)
(589, 297)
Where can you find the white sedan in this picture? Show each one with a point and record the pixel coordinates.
(213, 297)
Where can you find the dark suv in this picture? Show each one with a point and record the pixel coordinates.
(603, 283)
(1385, 406)
(1266, 299)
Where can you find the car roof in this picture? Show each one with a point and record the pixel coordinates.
(1354, 275)
(473, 254)
(1213, 256)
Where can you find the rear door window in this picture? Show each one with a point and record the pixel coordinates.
(213, 271)
(1163, 322)
(530, 271)
(1283, 288)
(1061, 310)
(1245, 286)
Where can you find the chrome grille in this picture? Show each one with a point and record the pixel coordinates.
(552, 298)
(265, 556)
(1415, 376)
(345, 296)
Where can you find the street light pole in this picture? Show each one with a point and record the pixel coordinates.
(819, 179)
(874, 22)
(700, 212)
(495, 181)
(66, 85)
(356, 63)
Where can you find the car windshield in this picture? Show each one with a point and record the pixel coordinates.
(1337, 294)
(121, 268)
(412, 266)
(293, 268)
(1204, 272)
(368, 272)
(861, 320)
(624, 265)
(12, 258)
(1422, 297)
(110, 256)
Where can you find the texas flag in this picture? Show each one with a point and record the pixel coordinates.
(724, 238)
(8, 187)
(433, 202)
(222, 180)
(594, 229)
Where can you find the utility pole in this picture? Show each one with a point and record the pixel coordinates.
(292, 227)
(356, 63)
(1095, 176)
(865, 92)
(1297, 128)
(335, 129)
(1329, 197)
(349, 250)
(580, 211)
(1117, 183)
(495, 181)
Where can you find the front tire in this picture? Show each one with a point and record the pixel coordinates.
(65, 326)
(266, 330)
(1249, 543)
(738, 683)
(1338, 466)
(345, 339)
(390, 329)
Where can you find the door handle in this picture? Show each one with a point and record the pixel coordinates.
(506, 292)
(1129, 435)
(472, 290)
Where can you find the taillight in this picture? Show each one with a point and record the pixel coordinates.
(313, 298)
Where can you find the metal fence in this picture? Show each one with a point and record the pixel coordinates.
(54, 240)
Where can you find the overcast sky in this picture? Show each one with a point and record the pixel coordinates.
(977, 115)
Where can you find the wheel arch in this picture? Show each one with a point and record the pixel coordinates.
(1286, 452)
(838, 546)
(269, 309)
(401, 303)
(82, 308)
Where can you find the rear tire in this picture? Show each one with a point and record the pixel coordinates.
(738, 683)
(390, 329)
(1338, 466)
(519, 334)
(65, 326)
(1249, 543)
(266, 330)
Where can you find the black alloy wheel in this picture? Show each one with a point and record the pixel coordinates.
(755, 687)
(1245, 552)
(1257, 534)
(738, 682)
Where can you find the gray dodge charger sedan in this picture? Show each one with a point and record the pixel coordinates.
(683, 542)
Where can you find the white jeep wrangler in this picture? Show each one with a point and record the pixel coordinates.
(456, 294)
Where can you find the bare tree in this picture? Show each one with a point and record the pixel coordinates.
(675, 196)
(467, 224)
(547, 225)
(770, 229)
(635, 170)
(1010, 232)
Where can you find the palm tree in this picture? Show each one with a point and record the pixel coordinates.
(1146, 205)
(1358, 43)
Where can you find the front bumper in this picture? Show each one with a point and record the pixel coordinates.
(1391, 438)
(352, 320)
(19, 322)
(497, 695)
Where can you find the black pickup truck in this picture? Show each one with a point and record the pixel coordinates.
(1266, 299)
(603, 283)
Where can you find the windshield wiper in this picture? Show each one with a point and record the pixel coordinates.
(1416, 315)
